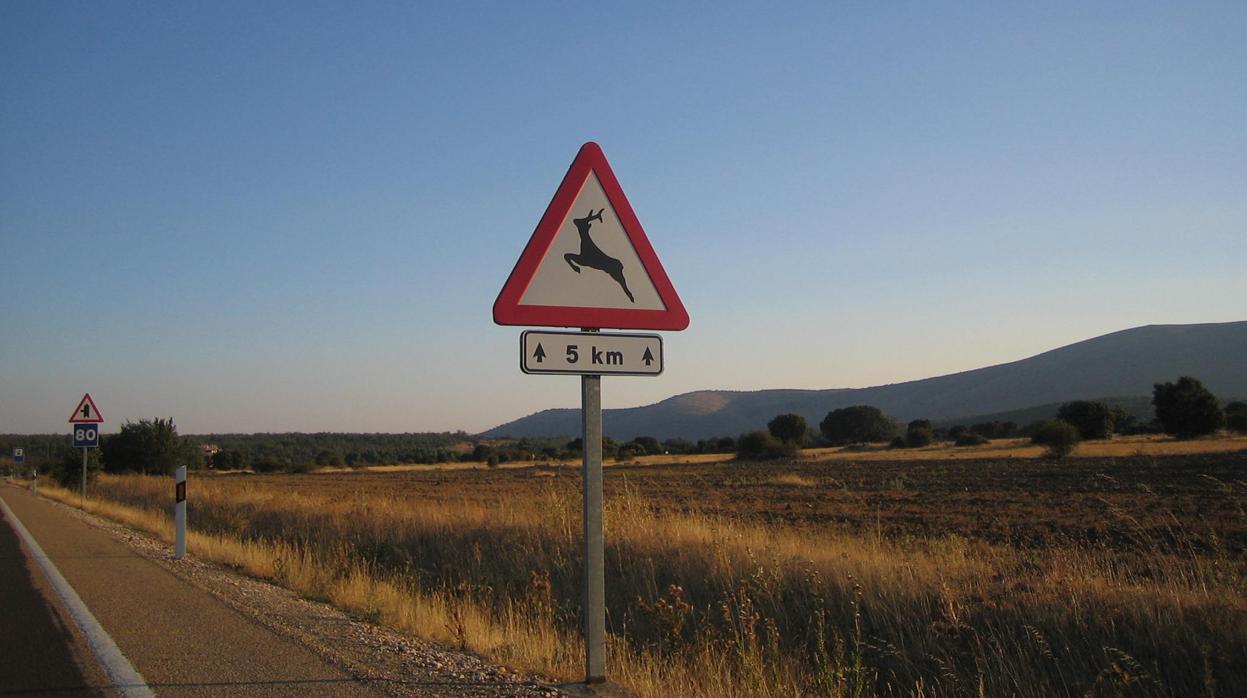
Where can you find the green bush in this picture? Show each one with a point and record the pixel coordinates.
(678, 445)
(1093, 419)
(857, 424)
(1060, 438)
(760, 445)
(643, 445)
(919, 433)
(629, 451)
(148, 446)
(68, 470)
(789, 428)
(1186, 409)
(969, 438)
(1236, 416)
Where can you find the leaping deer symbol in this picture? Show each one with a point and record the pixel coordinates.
(592, 256)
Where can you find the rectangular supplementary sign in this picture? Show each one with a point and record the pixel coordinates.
(86, 436)
(590, 353)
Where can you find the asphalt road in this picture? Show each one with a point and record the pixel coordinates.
(39, 653)
(181, 639)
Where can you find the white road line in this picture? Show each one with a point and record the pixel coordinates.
(123, 674)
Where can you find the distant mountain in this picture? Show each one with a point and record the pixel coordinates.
(1123, 364)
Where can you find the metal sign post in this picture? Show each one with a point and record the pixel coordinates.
(86, 420)
(595, 556)
(589, 264)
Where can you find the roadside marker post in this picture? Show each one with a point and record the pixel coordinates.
(179, 513)
(86, 420)
(589, 265)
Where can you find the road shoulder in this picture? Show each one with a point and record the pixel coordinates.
(385, 661)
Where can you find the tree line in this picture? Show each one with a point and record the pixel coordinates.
(1184, 409)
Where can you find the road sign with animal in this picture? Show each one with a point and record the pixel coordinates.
(589, 263)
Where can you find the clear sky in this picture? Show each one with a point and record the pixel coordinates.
(265, 216)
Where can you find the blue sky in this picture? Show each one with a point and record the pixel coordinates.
(296, 216)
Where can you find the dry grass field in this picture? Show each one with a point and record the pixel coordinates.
(827, 575)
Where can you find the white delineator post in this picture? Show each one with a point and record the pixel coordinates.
(179, 514)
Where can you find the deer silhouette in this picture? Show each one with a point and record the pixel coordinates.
(592, 256)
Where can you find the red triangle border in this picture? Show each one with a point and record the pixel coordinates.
(507, 308)
(86, 399)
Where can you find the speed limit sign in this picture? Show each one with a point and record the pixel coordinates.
(86, 436)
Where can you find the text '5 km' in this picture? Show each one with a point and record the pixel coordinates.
(588, 353)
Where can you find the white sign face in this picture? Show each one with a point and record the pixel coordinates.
(590, 353)
(591, 263)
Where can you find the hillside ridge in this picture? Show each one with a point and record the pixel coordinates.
(1124, 363)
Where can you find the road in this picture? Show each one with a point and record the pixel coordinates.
(182, 640)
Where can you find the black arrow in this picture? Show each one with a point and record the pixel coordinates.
(647, 357)
(540, 354)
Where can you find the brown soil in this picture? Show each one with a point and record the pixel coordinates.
(1120, 502)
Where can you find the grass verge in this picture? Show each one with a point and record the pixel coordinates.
(704, 606)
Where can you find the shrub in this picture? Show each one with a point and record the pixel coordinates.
(68, 470)
(857, 424)
(919, 433)
(760, 445)
(969, 438)
(643, 445)
(1060, 438)
(270, 464)
(996, 429)
(148, 446)
(629, 451)
(678, 445)
(1093, 419)
(1186, 409)
(1236, 416)
(789, 428)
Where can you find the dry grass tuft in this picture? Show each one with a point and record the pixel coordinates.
(792, 480)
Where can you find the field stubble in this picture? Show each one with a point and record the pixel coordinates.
(994, 577)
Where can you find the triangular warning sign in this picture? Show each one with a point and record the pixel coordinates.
(86, 412)
(589, 263)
